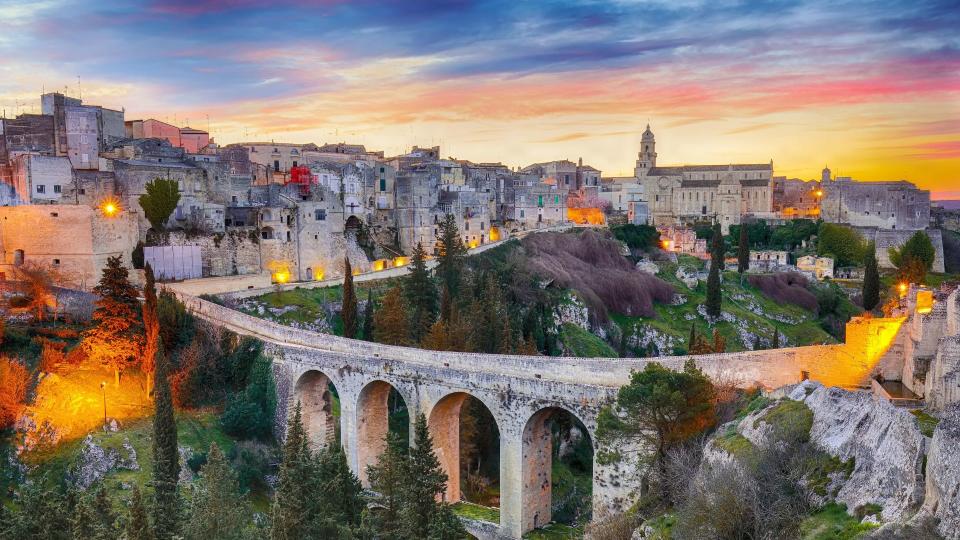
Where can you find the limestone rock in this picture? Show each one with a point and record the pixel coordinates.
(95, 461)
(648, 266)
(943, 475)
(688, 276)
(884, 441)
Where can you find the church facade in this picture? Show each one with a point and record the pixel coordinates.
(682, 195)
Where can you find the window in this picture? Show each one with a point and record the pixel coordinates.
(481, 225)
(54, 214)
(56, 262)
(41, 188)
(276, 165)
(320, 215)
(556, 199)
(383, 184)
(83, 191)
(294, 163)
(540, 201)
(466, 225)
(56, 188)
(382, 170)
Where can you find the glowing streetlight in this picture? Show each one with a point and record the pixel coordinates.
(819, 193)
(903, 289)
(110, 208)
(103, 390)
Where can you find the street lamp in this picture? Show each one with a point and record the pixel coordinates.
(103, 390)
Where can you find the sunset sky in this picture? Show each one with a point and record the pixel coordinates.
(871, 89)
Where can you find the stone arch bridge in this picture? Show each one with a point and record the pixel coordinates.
(521, 393)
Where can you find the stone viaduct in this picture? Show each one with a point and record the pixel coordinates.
(521, 393)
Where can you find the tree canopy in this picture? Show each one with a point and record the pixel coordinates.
(160, 200)
(914, 258)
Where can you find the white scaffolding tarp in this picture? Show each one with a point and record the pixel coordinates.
(174, 262)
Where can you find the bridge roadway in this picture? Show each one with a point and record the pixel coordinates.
(522, 394)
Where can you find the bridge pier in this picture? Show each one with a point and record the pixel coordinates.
(511, 482)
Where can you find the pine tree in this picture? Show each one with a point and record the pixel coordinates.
(217, 509)
(776, 339)
(138, 527)
(116, 337)
(104, 518)
(159, 201)
(388, 478)
(83, 525)
(450, 260)
(340, 489)
(425, 482)
(421, 295)
(368, 317)
(743, 250)
(445, 525)
(166, 457)
(291, 502)
(871, 279)
(151, 326)
(437, 338)
(348, 310)
(390, 321)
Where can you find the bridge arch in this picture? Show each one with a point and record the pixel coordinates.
(538, 441)
(445, 424)
(375, 403)
(319, 409)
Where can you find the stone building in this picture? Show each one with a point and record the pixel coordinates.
(81, 131)
(192, 140)
(276, 158)
(885, 205)
(818, 267)
(687, 194)
(529, 203)
(73, 241)
(471, 210)
(416, 198)
(26, 134)
(41, 179)
(796, 199)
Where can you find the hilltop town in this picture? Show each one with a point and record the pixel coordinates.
(321, 340)
(293, 211)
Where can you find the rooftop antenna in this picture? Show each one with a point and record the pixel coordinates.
(79, 88)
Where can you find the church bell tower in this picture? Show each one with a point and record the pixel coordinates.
(647, 158)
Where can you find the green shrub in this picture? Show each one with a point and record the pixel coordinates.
(250, 414)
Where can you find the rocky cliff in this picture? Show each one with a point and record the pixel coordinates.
(943, 475)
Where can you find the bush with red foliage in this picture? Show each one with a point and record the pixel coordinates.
(591, 264)
(14, 381)
(786, 288)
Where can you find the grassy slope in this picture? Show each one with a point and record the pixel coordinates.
(672, 320)
(584, 344)
(196, 430)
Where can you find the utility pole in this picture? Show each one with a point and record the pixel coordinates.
(103, 390)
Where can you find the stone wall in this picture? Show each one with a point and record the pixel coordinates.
(886, 239)
(76, 258)
(232, 253)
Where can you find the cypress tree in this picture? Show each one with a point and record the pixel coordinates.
(871, 279)
(743, 250)
(217, 509)
(421, 295)
(348, 310)
(166, 457)
(717, 249)
(291, 502)
(368, 317)
(138, 527)
(776, 338)
(425, 482)
(692, 340)
(714, 293)
(116, 336)
(151, 327)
